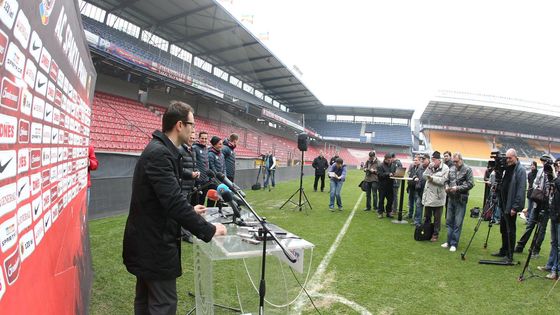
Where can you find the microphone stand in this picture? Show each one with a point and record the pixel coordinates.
(264, 231)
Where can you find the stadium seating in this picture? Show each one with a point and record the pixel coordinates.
(470, 145)
(524, 149)
(382, 134)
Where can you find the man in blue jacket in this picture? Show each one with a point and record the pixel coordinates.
(158, 209)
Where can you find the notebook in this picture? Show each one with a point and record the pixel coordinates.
(400, 172)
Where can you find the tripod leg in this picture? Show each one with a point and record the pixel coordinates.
(306, 199)
(536, 232)
(488, 234)
(472, 237)
(289, 199)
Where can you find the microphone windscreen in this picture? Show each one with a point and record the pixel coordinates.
(210, 174)
(221, 188)
(226, 195)
(220, 176)
(213, 195)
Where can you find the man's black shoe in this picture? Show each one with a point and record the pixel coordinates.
(367, 209)
(499, 254)
(518, 249)
(507, 260)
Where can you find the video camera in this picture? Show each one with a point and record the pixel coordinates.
(497, 163)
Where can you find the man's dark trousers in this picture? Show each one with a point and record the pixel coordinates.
(322, 177)
(155, 297)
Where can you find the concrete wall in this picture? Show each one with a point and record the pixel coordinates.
(112, 182)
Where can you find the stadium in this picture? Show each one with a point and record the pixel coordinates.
(140, 57)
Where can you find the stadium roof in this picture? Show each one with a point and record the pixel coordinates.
(360, 111)
(208, 31)
(492, 113)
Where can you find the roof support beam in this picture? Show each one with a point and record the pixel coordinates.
(241, 61)
(258, 70)
(268, 87)
(221, 50)
(183, 14)
(289, 92)
(296, 97)
(187, 39)
(122, 5)
(273, 79)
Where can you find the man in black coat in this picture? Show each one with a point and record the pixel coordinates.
(384, 173)
(320, 165)
(158, 209)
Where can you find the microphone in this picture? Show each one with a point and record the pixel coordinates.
(227, 196)
(213, 195)
(222, 178)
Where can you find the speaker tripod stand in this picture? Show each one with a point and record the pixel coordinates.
(302, 195)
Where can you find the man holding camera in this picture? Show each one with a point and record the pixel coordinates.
(433, 198)
(457, 189)
(371, 180)
(552, 263)
(513, 187)
(540, 213)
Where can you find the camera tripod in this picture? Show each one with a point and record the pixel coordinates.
(488, 212)
(536, 232)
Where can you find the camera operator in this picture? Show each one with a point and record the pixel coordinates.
(434, 195)
(458, 186)
(270, 164)
(371, 180)
(512, 191)
(531, 178)
(540, 214)
(552, 263)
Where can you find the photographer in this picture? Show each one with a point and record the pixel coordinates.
(384, 173)
(512, 191)
(457, 188)
(270, 164)
(540, 214)
(371, 180)
(552, 263)
(434, 195)
(412, 169)
(531, 178)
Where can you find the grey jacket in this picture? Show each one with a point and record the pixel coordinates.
(434, 191)
(463, 179)
(370, 168)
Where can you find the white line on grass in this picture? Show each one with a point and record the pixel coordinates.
(318, 275)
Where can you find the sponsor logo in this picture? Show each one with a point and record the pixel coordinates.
(41, 83)
(10, 94)
(2, 285)
(23, 136)
(35, 47)
(46, 175)
(54, 70)
(23, 189)
(26, 245)
(46, 199)
(8, 198)
(54, 156)
(23, 161)
(48, 112)
(36, 208)
(56, 116)
(39, 230)
(3, 46)
(22, 29)
(8, 125)
(26, 102)
(54, 136)
(36, 133)
(45, 60)
(60, 79)
(51, 91)
(38, 108)
(45, 9)
(47, 220)
(54, 192)
(24, 218)
(8, 234)
(35, 183)
(30, 73)
(12, 266)
(58, 98)
(46, 134)
(8, 12)
(36, 158)
(15, 61)
(8, 164)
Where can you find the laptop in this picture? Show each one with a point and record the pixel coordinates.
(400, 172)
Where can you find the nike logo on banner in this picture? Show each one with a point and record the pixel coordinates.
(48, 113)
(35, 47)
(3, 167)
(41, 84)
(36, 208)
(21, 189)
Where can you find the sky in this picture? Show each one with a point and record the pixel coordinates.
(400, 53)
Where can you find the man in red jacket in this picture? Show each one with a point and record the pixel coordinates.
(92, 166)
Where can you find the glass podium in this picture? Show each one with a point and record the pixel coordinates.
(227, 270)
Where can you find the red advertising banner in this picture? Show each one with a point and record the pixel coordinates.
(46, 84)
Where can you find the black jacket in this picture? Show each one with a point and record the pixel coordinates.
(383, 173)
(228, 151)
(201, 154)
(188, 165)
(151, 244)
(320, 165)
